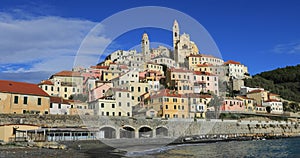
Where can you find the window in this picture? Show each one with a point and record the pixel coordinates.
(128, 104)
(74, 90)
(102, 105)
(120, 113)
(132, 89)
(112, 105)
(16, 99)
(113, 113)
(46, 87)
(120, 104)
(25, 100)
(175, 100)
(39, 102)
(182, 107)
(146, 89)
(102, 113)
(167, 107)
(174, 107)
(59, 106)
(128, 114)
(128, 95)
(51, 88)
(139, 89)
(66, 89)
(120, 94)
(51, 105)
(58, 89)
(107, 113)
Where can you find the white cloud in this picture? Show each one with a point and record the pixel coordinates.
(288, 48)
(45, 43)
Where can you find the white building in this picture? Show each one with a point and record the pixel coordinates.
(244, 90)
(273, 106)
(131, 76)
(59, 106)
(236, 70)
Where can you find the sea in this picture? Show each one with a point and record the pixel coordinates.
(281, 148)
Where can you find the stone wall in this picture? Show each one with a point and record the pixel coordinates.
(179, 127)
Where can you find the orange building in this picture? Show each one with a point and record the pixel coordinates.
(22, 98)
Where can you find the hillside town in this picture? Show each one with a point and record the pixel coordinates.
(160, 82)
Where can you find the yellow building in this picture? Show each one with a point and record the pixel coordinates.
(168, 104)
(80, 108)
(248, 102)
(194, 60)
(8, 132)
(154, 67)
(180, 80)
(22, 98)
(137, 90)
(114, 71)
(258, 95)
(63, 84)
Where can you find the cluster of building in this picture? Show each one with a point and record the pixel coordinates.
(158, 82)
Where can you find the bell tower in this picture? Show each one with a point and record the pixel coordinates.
(176, 40)
(175, 34)
(146, 47)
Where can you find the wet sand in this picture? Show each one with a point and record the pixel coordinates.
(87, 149)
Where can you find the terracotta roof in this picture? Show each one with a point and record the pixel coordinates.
(46, 82)
(99, 67)
(232, 62)
(21, 88)
(167, 93)
(58, 100)
(68, 74)
(204, 65)
(244, 97)
(272, 100)
(203, 73)
(272, 94)
(256, 91)
(123, 67)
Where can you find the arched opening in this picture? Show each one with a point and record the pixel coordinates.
(145, 132)
(268, 108)
(108, 132)
(161, 132)
(127, 132)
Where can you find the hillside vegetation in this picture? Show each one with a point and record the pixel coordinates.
(282, 81)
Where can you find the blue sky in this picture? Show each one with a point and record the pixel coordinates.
(38, 38)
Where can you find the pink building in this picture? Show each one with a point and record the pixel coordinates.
(231, 104)
(206, 82)
(99, 91)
